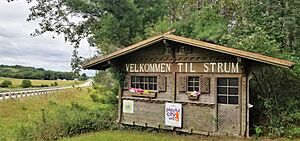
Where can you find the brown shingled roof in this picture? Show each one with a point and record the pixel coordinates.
(195, 43)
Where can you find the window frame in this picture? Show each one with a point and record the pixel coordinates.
(228, 86)
(194, 82)
(136, 81)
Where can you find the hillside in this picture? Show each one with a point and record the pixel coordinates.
(25, 72)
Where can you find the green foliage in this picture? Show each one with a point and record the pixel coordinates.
(67, 121)
(258, 131)
(104, 95)
(6, 84)
(55, 84)
(45, 85)
(275, 93)
(23, 72)
(26, 83)
(206, 24)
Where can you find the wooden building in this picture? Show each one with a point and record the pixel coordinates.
(182, 84)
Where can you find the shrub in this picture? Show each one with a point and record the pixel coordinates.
(26, 83)
(6, 84)
(68, 121)
(55, 84)
(44, 85)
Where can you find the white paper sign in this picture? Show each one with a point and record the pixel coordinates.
(173, 114)
(127, 106)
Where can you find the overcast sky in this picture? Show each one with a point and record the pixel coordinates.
(18, 47)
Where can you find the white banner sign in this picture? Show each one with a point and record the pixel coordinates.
(173, 114)
(127, 106)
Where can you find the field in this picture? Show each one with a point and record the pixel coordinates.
(17, 82)
(17, 112)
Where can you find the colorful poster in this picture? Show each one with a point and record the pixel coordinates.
(127, 106)
(173, 114)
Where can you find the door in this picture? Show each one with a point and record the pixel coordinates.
(228, 105)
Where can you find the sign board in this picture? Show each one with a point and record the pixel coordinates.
(127, 106)
(173, 114)
(209, 67)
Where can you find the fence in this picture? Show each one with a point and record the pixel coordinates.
(20, 94)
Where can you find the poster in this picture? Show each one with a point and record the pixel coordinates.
(173, 114)
(127, 106)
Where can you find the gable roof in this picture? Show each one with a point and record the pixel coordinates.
(196, 43)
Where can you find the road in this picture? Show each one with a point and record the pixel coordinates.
(32, 92)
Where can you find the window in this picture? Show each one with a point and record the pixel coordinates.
(228, 90)
(193, 84)
(144, 82)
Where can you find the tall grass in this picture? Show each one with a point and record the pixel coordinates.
(48, 117)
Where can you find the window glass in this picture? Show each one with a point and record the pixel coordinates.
(233, 100)
(144, 82)
(233, 82)
(222, 82)
(222, 99)
(193, 83)
(233, 91)
(222, 90)
(228, 90)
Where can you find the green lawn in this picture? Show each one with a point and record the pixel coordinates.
(144, 136)
(17, 112)
(126, 135)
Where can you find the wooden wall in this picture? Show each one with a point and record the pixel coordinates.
(199, 116)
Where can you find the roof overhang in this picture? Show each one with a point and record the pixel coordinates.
(104, 61)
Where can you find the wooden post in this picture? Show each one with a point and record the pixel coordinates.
(120, 103)
(244, 106)
(248, 102)
(174, 85)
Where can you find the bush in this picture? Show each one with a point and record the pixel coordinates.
(277, 103)
(6, 84)
(26, 83)
(55, 84)
(68, 121)
(44, 85)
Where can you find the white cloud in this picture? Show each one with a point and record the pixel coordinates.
(18, 47)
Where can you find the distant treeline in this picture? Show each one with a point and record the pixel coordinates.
(24, 72)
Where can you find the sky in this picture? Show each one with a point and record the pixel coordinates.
(18, 47)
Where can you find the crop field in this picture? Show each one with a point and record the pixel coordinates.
(17, 82)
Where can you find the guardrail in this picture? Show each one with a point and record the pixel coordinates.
(32, 92)
(21, 94)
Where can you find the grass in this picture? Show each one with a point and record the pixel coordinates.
(17, 112)
(130, 135)
(119, 135)
(17, 82)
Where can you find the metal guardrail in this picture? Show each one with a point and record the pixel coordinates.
(33, 92)
(20, 94)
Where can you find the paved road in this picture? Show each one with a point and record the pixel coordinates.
(41, 91)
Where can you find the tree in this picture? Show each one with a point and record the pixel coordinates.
(83, 77)
(6, 84)
(26, 83)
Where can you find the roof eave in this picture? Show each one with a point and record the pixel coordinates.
(234, 52)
